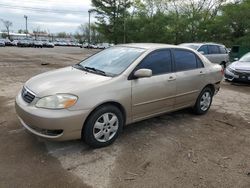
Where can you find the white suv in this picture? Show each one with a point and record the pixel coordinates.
(216, 53)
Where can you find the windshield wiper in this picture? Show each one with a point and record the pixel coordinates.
(96, 70)
(90, 69)
(79, 66)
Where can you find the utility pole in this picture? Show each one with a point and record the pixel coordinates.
(26, 24)
(89, 11)
(124, 27)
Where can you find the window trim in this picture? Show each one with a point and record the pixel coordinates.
(196, 57)
(131, 75)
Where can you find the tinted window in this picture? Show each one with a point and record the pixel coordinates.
(213, 49)
(203, 49)
(223, 50)
(185, 60)
(159, 62)
(199, 63)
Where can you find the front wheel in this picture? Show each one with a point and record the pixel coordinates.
(103, 126)
(204, 101)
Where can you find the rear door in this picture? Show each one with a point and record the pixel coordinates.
(214, 54)
(190, 77)
(156, 94)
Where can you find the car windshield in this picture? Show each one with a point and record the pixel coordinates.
(112, 61)
(245, 58)
(193, 46)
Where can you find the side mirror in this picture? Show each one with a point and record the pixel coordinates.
(202, 52)
(236, 59)
(143, 73)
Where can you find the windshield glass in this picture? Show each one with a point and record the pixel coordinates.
(113, 61)
(193, 46)
(245, 58)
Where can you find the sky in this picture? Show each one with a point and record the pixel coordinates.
(51, 15)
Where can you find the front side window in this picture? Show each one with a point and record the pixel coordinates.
(213, 49)
(185, 60)
(158, 61)
(203, 49)
(113, 61)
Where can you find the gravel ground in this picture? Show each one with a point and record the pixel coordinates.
(174, 150)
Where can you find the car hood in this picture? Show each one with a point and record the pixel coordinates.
(64, 80)
(241, 66)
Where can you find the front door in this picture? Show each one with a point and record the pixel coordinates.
(156, 94)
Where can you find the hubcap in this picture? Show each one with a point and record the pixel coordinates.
(105, 127)
(205, 101)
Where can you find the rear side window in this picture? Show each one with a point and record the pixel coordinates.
(158, 61)
(203, 49)
(185, 60)
(223, 50)
(199, 63)
(213, 49)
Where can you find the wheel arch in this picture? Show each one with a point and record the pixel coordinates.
(114, 103)
(211, 86)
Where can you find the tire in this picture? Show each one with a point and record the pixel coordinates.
(99, 130)
(204, 101)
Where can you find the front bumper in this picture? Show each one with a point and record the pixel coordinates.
(236, 76)
(51, 124)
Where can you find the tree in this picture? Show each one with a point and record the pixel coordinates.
(83, 31)
(111, 18)
(7, 25)
(62, 35)
(20, 31)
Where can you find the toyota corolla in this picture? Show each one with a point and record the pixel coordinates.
(121, 85)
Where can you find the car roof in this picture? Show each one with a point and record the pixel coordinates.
(203, 43)
(148, 45)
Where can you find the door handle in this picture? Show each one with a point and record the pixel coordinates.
(201, 73)
(171, 78)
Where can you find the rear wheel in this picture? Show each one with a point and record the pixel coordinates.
(103, 126)
(204, 101)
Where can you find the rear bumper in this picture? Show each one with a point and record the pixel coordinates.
(51, 124)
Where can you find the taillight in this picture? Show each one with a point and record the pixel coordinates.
(222, 70)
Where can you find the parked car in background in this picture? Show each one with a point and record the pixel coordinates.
(7, 42)
(239, 70)
(38, 44)
(24, 43)
(48, 44)
(216, 53)
(14, 42)
(84, 45)
(2, 43)
(66, 104)
(103, 46)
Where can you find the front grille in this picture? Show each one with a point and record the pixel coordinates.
(237, 72)
(27, 95)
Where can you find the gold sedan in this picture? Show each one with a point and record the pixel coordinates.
(121, 85)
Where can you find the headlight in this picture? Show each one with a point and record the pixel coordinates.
(230, 70)
(58, 101)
